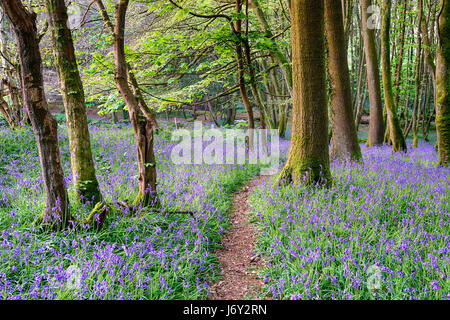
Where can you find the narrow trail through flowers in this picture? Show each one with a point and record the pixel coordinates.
(239, 262)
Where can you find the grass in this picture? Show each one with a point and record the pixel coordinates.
(384, 222)
(148, 256)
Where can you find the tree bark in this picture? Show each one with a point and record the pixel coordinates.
(443, 84)
(344, 139)
(395, 132)
(275, 53)
(308, 158)
(45, 128)
(426, 42)
(83, 169)
(376, 127)
(10, 82)
(398, 73)
(241, 70)
(142, 125)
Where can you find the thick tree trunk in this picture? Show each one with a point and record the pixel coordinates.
(308, 158)
(344, 139)
(45, 128)
(142, 126)
(376, 127)
(443, 84)
(83, 169)
(395, 132)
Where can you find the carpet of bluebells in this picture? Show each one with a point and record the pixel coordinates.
(382, 231)
(145, 256)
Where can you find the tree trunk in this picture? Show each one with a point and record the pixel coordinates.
(398, 73)
(344, 139)
(395, 132)
(308, 158)
(241, 69)
(275, 53)
(419, 57)
(83, 169)
(45, 128)
(443, 84)
(426, 42)
(376, 128)
(142, 125)
(11, 81)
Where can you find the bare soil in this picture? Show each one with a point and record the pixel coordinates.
(239, 263)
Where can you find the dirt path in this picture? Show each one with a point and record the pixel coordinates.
(238, 260)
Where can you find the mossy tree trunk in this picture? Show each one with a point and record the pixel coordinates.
(395, 131)
(376, 127)
(83, 169)
(44, 125)
(443, 84)
(344, 139)
(308, 158)
(140, 116)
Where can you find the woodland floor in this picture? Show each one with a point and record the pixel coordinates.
(239, 262)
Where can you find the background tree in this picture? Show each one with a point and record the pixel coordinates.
(395, 131)
(344, 139)
(376, 127)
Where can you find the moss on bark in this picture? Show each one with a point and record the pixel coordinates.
(308, 158)
(443, 85)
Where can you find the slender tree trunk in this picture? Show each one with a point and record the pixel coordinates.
(376, 128)
(142, 126)
(425, 122)
(395, 132)
(443, 84)
(426, 42)
(360, 108)
(83, 169)
(419, 57)
(275, 53)
(9, 84)
(241, 70)
(241, 75)
(308, 158)
(398, 73)
(344, 139)
(45, 128)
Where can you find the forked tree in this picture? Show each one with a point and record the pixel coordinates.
(141, 118)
